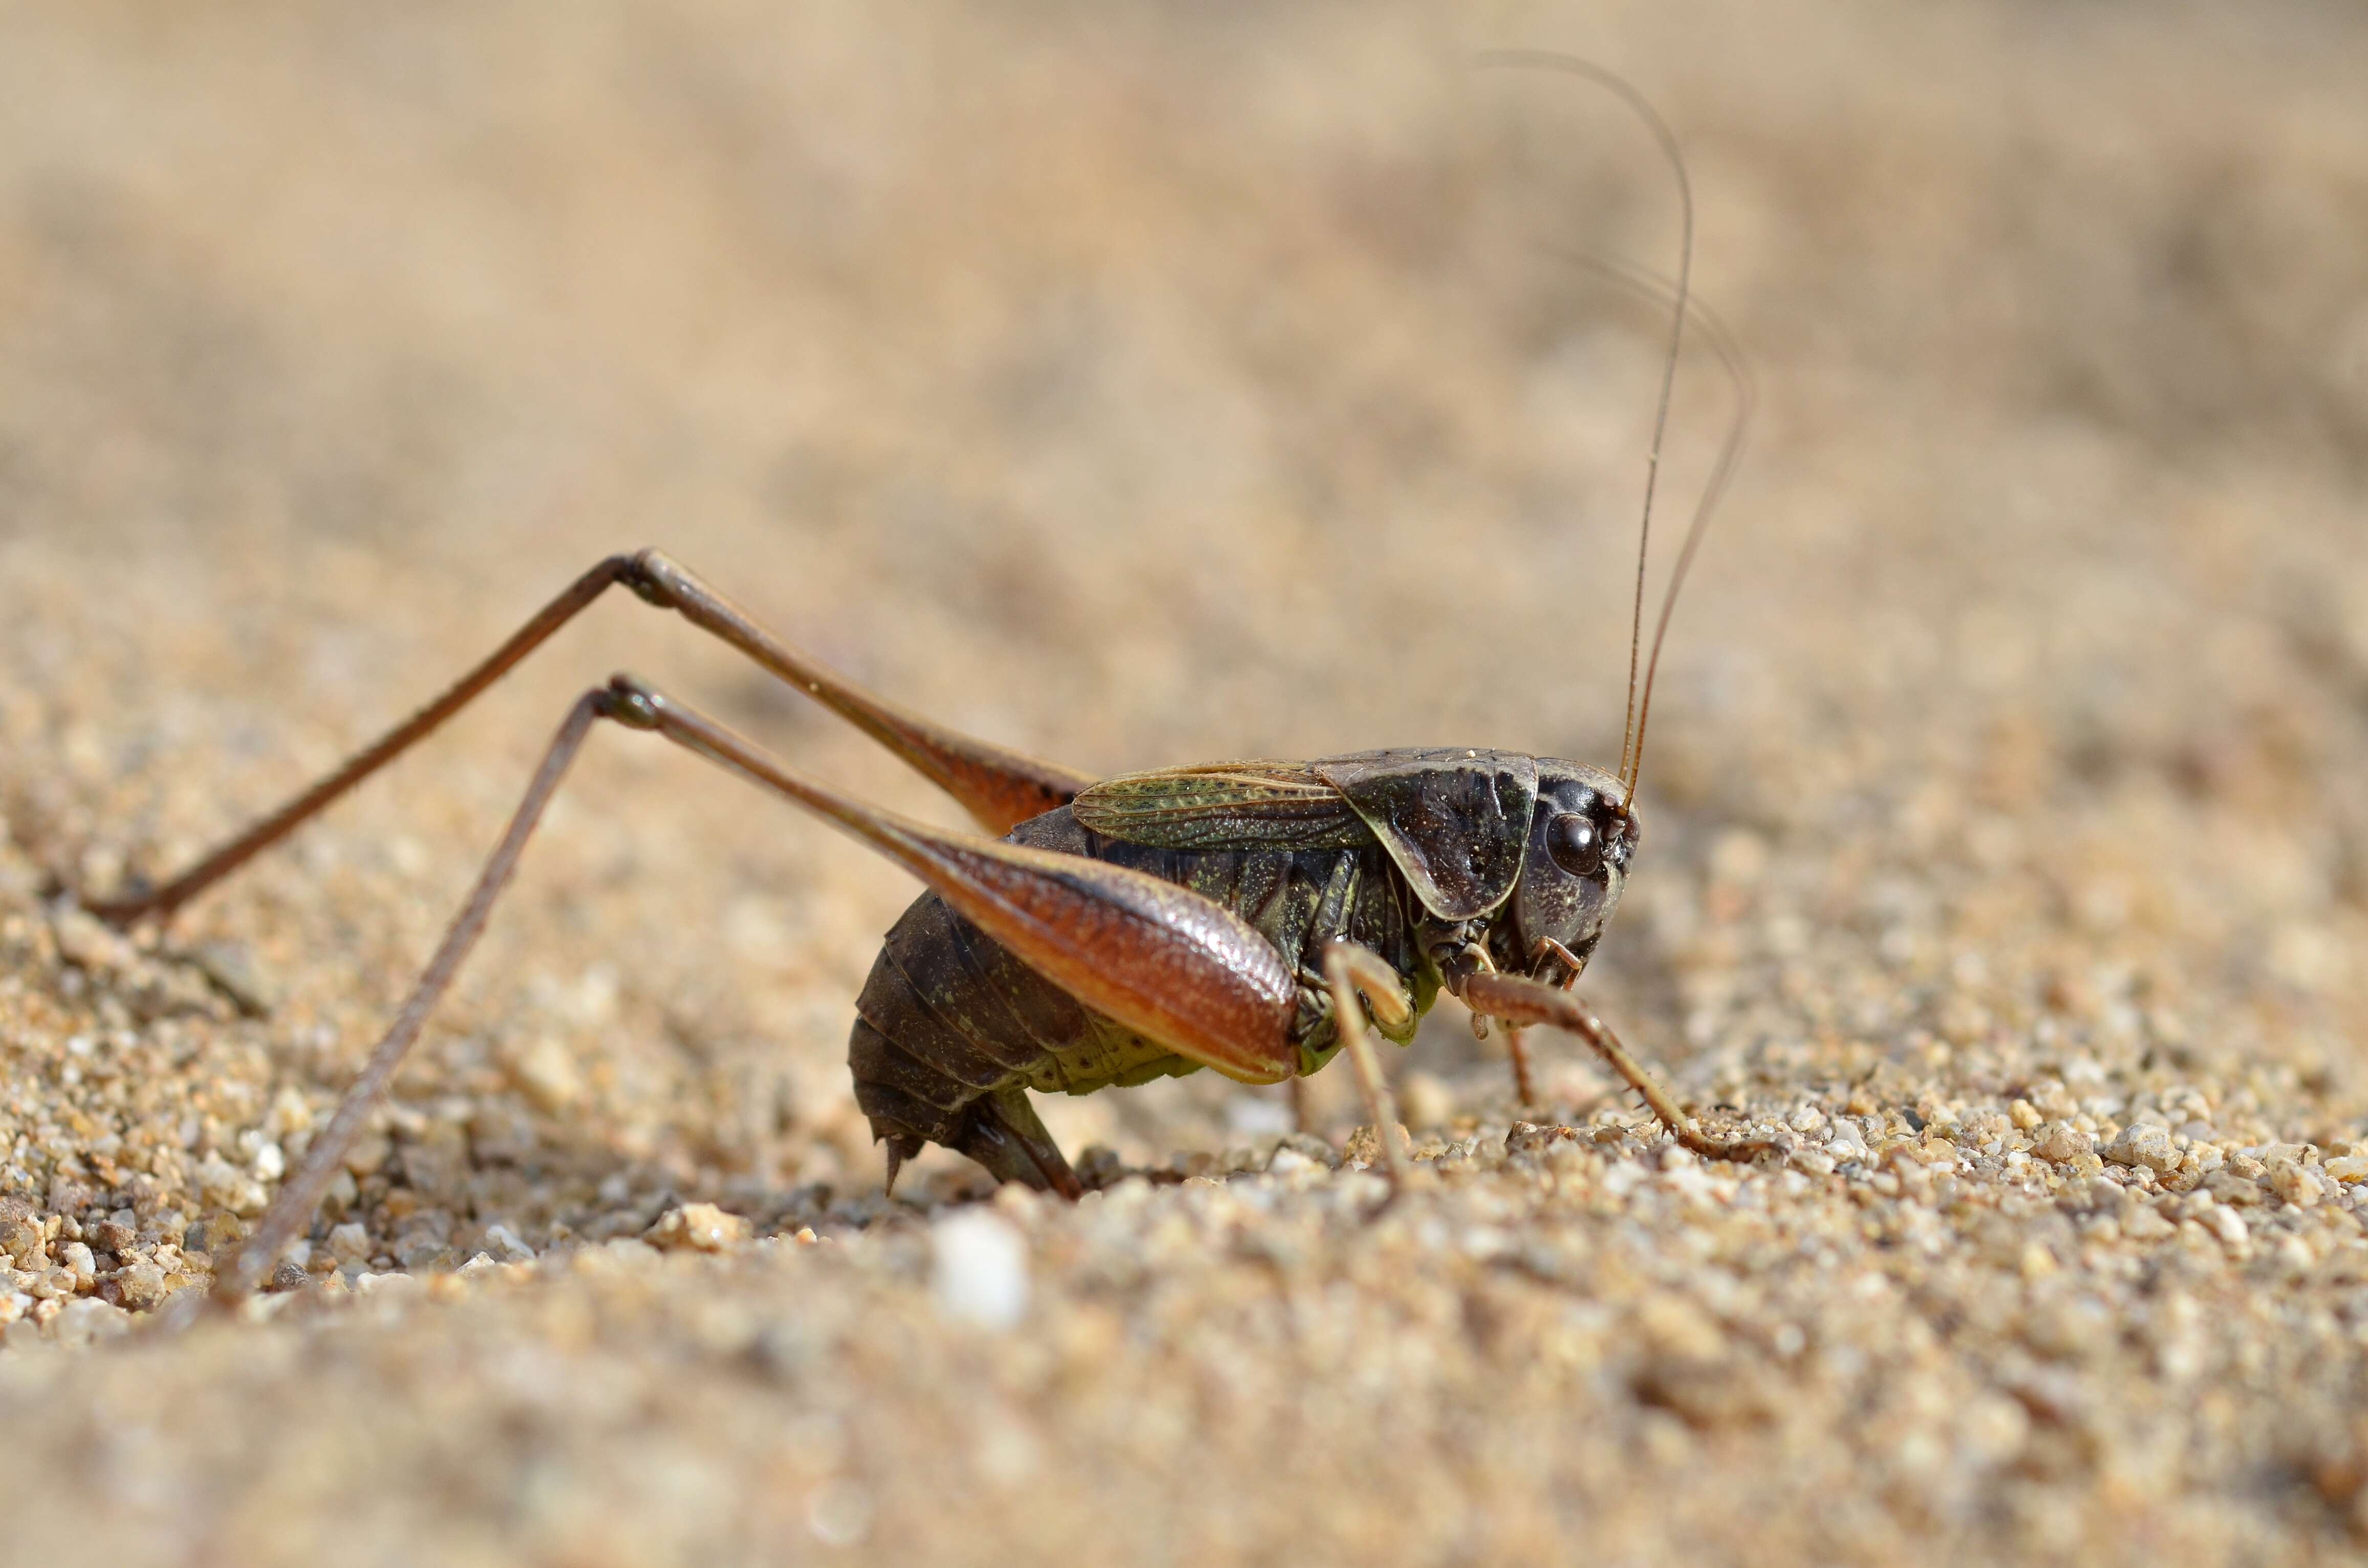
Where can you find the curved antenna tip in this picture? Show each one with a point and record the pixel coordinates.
(1639, 697)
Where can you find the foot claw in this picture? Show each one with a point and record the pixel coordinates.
(1742, 1151)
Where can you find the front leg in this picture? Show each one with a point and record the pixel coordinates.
(1459, 949)
(1517, 1000)
(1314, 1000)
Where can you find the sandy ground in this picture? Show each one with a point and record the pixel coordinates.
(1144, 387)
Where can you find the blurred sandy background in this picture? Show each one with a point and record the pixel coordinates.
(1141, 386)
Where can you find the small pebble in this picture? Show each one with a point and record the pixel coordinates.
(1290, 1163)
(2225, 1223)
(232, 967)
(90, 943)
(21, 1240)
(2145, 1224)
(697, 1227)
(839, 1514)
(544, 1070)
(88, 1319)
(350, 1244)
(2143, 1145)
(141, 1286)
(506, 1245)
(2063, 1143)
(979, 1268)
(2296, 1184)
(227, 1186)
(1424, 1102)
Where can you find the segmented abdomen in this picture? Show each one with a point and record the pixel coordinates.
(949, 1017)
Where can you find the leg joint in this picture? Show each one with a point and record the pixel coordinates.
(631, 702)
(652, 576)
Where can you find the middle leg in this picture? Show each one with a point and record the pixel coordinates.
(1359, 979)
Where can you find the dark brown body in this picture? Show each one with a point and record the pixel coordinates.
(953, 1030)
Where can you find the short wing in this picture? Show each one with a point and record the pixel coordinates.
(1456, 821)
(1224, 805)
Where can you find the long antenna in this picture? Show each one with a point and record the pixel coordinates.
(1631, 739)
(1730, 455)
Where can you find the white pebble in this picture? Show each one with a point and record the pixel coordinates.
(88, 1319)
(2225, 1223)
(979, 1268)
(1289, 1162)
(840, 1513)
(2143, 1143)
(697, 1227)
(2296, 1185)
(506, 1244)
(350, 1244)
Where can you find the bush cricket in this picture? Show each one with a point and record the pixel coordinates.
(1254, 917)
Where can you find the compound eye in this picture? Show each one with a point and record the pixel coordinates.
(1575, 845)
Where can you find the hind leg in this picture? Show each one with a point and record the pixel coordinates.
(1005, 1135)
(998, 786)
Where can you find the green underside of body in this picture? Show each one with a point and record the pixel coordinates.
(1111, 1057)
